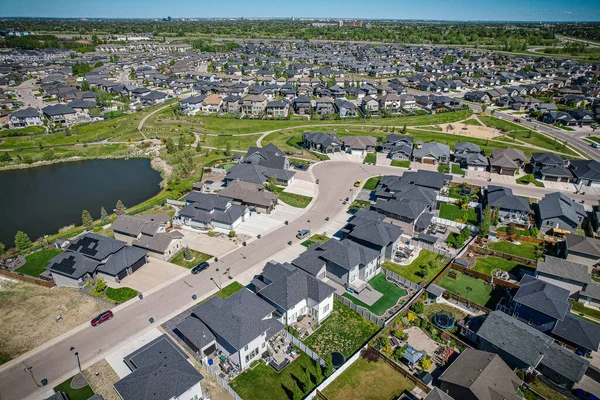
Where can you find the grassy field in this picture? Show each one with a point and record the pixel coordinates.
(344, 330)
(74, 394)
(391, 295)
(525, 249)
(473, 122)
(371, 183)
(198, 258)
(413, 271)
(488, 264)
(121, 295)
(400, 163)
(263, 383)
(527, 179)
(480, 292)
(30, 130)
(294, 200)
(363, 380)
(454, 213)
(370, 158)
(35, 264)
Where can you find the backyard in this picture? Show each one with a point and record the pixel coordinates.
(262, 382)
(344, 330)
(524, 249)
(416, 271)
(363, 380)
(35, 264)
(198, 258)
(391, 294)
(454, 213)
(487, 264)
(479, 292)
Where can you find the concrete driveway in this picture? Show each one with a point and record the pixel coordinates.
(302, 187)
(258, 224)
(341, 156)
(153, 274)
(382, 159)
(215, 246)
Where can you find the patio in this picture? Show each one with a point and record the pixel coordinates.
(306, 325)
(280, 352)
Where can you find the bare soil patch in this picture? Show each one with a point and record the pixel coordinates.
(101, 378)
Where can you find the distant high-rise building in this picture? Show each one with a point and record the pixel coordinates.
(293, 19)
(340, 23)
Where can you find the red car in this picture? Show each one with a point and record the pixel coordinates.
(105, 316)
(517, 120)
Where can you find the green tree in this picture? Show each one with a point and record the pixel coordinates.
(228, 149)
(170, 146)
(86, 219)
(485, 223)
(187, 254)
(5, 157)
(181, 143)
(120, 208)
(198, 147)
(22, 241)
(2, 248)
(103, 215)
(418, 307)
(328, 365)
(404, 129)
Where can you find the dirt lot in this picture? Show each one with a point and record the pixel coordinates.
(481, 132)
(103, 382)
(28, 314)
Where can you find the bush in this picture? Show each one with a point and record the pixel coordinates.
(418, 307)
(232, 234)
(100, 288)
(370, 354)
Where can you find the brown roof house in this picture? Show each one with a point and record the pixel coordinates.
(250, 194)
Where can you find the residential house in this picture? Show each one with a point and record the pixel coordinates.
(345, 108)
(238, 327)
(559, 213)
(212, 104)
(370, 106)
(302, 105)
(232, 104)
(322, 142)
(359, 145)
(60, 114)
(159, 371)
(432, 153)
(478, 375)
(391, 103)
(469, 156)
(294, 293)
(153, 98)
(587, 172)
(208, 211)
(192, 104)
(511, 208)
(23, 118)
(324, 106)
(376, 234)
(254, 106)
(582, 249)
(506, 161)
(569, 275)
(250, 194)
(278, 109)
(399, 147)
(91, 256)
(550, 167)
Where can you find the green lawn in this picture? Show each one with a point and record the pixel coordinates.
(454, 213)
(317, 237)
(590, 312)
(414, 272)
(363, 380)
(230, 289)
(456, 169)
(488, 264)
(371, 183)
(36, 263)
(344, 330)
(294, 200)
(525, 249)
(443, 168)
(544, 390)
(391, 294)
(121, 295)
(527, 179)
(471, 122)
(400, 163)
(263, 383)
(370, 158)
(198, 258)
(74, 394)
(33, 130)
(594, 139)
(480, 293)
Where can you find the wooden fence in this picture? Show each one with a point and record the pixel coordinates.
(28, 279)
(320, 395)
(521, 260)
(459, 299)
(485, 277)
(527, 239)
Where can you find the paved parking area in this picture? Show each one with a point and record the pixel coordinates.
(495, 178)
(560, 186)
(216, 246)
(302, 187)
(283, 212)
(303, 176)
(151, 275)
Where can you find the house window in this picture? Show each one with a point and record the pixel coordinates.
(246, 348)
(326, 308)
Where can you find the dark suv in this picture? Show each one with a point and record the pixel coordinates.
(199, 268)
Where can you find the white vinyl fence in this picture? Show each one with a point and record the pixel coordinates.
(305, 349)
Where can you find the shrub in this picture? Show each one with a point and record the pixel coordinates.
(418, 307)
(425, 363)
(369, 354)
(232, 234)
(212, 233)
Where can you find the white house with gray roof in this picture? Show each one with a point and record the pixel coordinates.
(208, 211)
(559, 212)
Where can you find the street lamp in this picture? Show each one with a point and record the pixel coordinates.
(76, 358)
(309, 226)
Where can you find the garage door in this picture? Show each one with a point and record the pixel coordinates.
(507, 172)
(551, 178)
(594, 184)
(211, 349)
(138, 264)
(427, 161)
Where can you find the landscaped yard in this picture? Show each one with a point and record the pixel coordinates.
(414, 270)
(525, 249)
(36, 263)
(454, 213)
(527, 179)
(294, 200)
(121, 295)
(544, 390)
(230, 289)
(480, 293)
(456, 169)
(74, 394)
(370, 158)
(198, 258)
(400, 163)
(488, 264)
(371, 183)
(443, 168)
(368, 381)
(263, 383)
(429, 310)
(344, 330)
(391, 294)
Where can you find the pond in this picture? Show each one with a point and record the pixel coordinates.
(39, 201)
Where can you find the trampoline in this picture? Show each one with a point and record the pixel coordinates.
(337, 359)
(443, 320)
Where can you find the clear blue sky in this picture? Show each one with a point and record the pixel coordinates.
(502, 10)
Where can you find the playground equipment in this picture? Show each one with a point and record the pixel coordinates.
(443, 320)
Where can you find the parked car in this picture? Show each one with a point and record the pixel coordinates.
(595, 145)
(303, 234)
(105, 316)
(357, 183)
(582, 394)
(517, 120)
(200, 267)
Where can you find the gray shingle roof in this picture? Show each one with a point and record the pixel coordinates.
(376, 232)
(160, 242)
(586, 169)
(583, 245)
(196, 332)
(435, 149)
(406, 208)
(128, 225)
(160, 372)
(324, 139)
(26, 113)
(437, 394)
(238, 319)
(57, 109)
(558, 205)
(579, 331)
(347, 254)
(121, 260)
(544, 297)
(505, 199)
(561, 268)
